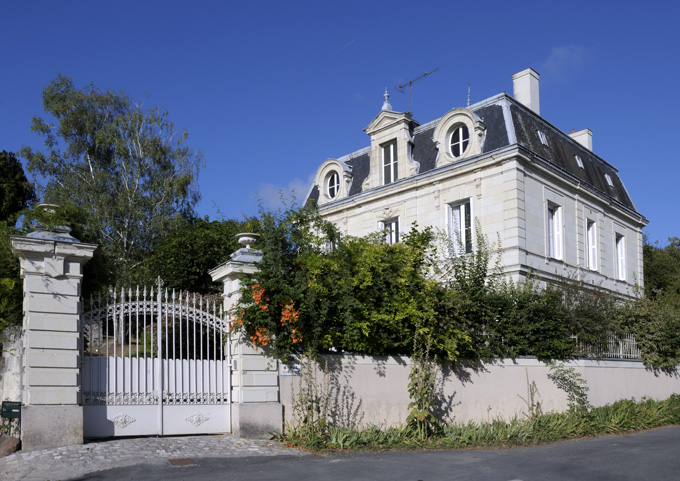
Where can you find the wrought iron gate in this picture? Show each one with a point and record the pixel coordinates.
(155, 363)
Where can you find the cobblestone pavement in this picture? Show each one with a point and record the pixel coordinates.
(74, 461)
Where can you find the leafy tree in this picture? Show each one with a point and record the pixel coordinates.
(16, 192)
(11, 292)
(96, 271)
(655, 324)
(662, 268)
(184, 257)
(120, 163)
(468, 283)
(654, 320)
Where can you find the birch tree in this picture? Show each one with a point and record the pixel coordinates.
(124, 165)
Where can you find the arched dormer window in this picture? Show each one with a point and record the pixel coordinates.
(333, 180)
(333, 185)
(459, 134)
(460, 140)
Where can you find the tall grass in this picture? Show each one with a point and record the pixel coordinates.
(621, 417)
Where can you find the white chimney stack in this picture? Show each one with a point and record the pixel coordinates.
(583, 137)
(525, 88)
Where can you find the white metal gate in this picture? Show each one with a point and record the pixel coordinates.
(155, 363)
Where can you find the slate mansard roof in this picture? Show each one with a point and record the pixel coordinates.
(508, 123)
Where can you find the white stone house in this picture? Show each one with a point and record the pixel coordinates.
(558, 208)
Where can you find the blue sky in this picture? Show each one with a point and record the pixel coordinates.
(269, 90)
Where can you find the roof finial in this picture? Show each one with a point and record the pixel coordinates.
(468, 103)
(386, 104)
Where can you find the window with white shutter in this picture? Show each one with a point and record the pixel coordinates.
(555, 231)
(591, 245)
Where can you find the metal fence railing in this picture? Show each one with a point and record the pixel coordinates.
(624, 347)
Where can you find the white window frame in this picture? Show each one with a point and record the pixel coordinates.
(390, 166)
(620, 249)
(459, 223)
(543, 138)
(591, 245)
(609, 180)
(555, 230)
(391, 229)
(463, 143)
(333, 185)
(579, 161)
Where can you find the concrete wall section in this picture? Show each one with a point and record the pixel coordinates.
(365, 390)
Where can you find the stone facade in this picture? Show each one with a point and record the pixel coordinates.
(11, 357)
(51, 266)
(558, 209)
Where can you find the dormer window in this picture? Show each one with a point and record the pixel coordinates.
(609, 180)
(460, 139)
(459, 135)
(389, 162)
(333, 185)
(544, 139)
(333, 180)
(579, 161)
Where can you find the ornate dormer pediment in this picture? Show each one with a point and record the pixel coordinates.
(391, 147)
(387, 120)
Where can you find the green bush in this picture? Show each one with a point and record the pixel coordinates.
(620, 417)
(529, 322)
(655, 323)
(11, 287)
(316, 292)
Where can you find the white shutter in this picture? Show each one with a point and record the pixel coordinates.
(621, 257)
(455, 225)
(592, 245)
(555, 231)
(558, 232)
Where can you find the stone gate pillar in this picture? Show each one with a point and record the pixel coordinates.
(51, 267)
(256, 407)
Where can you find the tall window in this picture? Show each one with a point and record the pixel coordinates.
(460, 138)
(620, 257)
(591, 245)
(460, 226)
(333, 185)
(389, 157)
(555, 231)
(391, 229)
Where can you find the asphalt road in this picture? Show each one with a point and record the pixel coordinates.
(650, 455)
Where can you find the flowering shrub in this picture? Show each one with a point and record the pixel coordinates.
(316, 292)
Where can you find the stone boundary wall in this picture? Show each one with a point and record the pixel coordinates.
(367, 390)
(11, 359)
